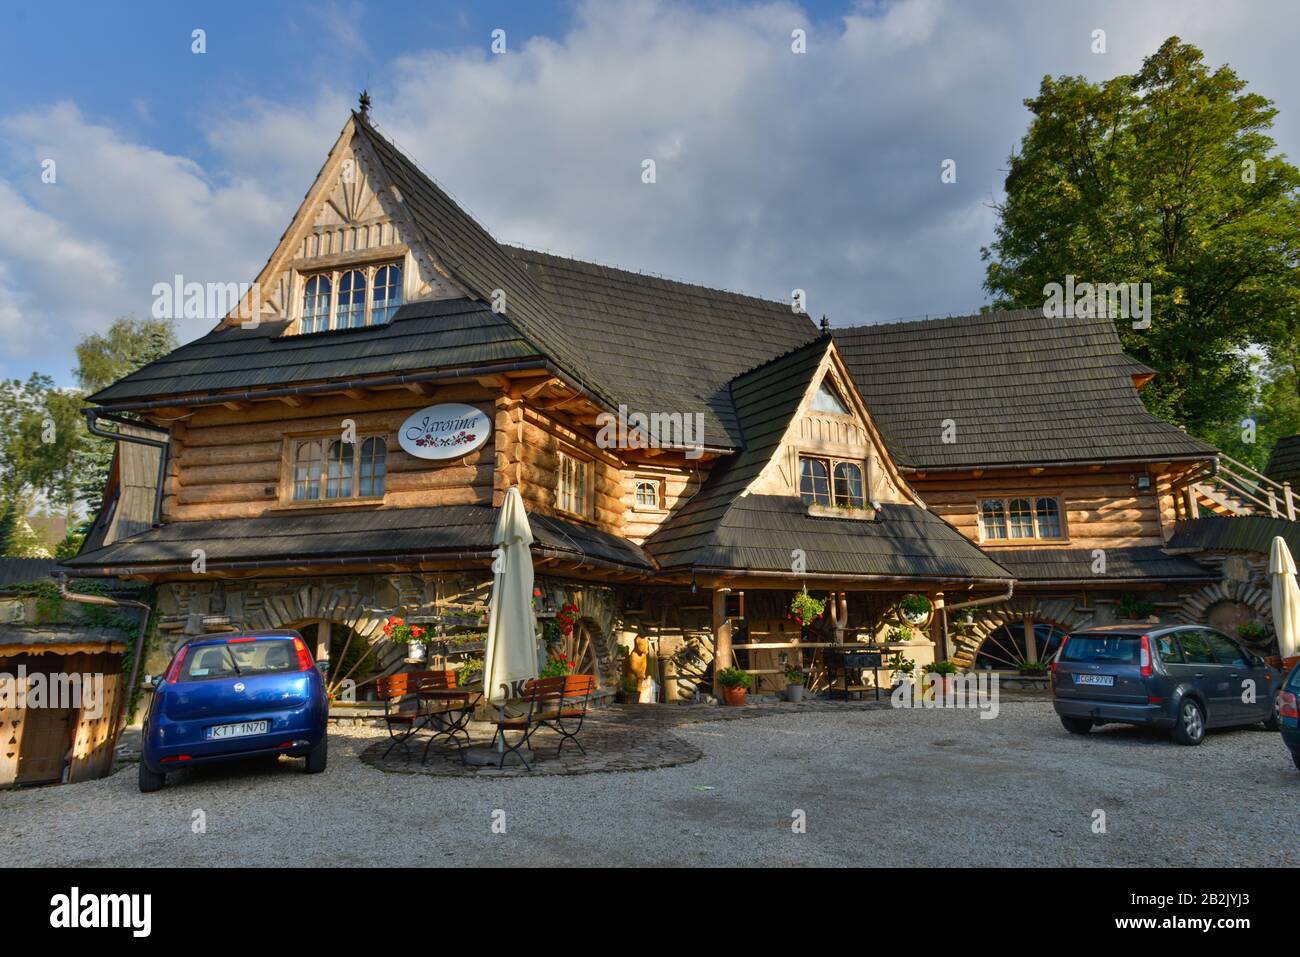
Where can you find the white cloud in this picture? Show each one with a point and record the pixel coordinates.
(775, 170)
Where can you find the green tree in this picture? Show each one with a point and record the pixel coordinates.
(40, 435)
(1167, 177)
(102, 359)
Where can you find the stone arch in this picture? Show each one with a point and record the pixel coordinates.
(344, 604)
(1194, 607)
(1061, 612)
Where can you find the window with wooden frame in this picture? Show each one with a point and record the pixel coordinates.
(828, 481)
(573, 485)
(327, 469)
(1017, 518)
(649, 495)
(350, 297)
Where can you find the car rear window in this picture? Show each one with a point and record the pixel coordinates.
(260, 657)
(1110, 648)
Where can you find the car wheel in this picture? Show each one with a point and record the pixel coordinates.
(1077, 725)
(1190, 726)
(150, 780)
(317, 756)
(1273, 722)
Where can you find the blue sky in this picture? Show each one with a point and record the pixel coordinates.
(775, 171)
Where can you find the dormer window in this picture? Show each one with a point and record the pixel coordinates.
(367, 296)
(825, 481)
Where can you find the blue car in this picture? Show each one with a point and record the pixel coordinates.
(1288, 711)
(232, 696)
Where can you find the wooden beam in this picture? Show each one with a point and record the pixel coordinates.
(721, 637)
(421, 388)
(238, 406)
(359, 394)
(296, 401)
(492, 381)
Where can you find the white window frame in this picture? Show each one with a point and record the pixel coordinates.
(335, 276)
(1033, 499)
(658, 485)
(575, 501)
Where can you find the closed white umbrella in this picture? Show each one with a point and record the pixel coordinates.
(511, 652)
(1286, 599)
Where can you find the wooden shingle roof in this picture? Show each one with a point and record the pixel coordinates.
(422, 335)
(1021, 388)
(1137, 564)
(722, 529)
(1284, 461)
(450, 531)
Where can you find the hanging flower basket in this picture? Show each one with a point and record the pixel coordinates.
(806, 609)
(415, 638)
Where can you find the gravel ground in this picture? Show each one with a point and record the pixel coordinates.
(877, 787)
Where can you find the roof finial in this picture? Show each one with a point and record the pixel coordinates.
(364, 100)
(826, 323)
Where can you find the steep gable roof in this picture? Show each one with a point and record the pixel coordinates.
(669, 346)
(1021, 388)
(721, 528)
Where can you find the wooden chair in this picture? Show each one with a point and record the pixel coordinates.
(544, 698)
(402, 713)
(568, 718)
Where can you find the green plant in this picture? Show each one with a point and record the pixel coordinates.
(897, 662)
(1251, 631)
(557, 666)
(898, 634)
(735, 678)
(939, 668)
(1032, 668)
(470, 673)
(914, 607)
(1131, 606)
(795, 676)
(629, 684)
(805, 609)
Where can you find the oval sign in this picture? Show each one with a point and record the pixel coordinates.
(445, 431)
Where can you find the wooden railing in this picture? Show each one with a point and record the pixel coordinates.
(1241, 489)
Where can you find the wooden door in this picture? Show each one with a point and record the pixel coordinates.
(47, 735)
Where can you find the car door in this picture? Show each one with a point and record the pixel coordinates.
(1209, 677)
(1232, 656)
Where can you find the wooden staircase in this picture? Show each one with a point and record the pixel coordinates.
(1234, 488)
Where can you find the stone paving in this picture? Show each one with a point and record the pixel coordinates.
(617, 738)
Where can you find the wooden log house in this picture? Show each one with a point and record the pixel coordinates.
(292, 494)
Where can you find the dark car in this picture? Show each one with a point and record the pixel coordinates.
(1187, 678)
(231, 696)
(1288, 713)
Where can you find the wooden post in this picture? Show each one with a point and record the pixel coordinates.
(1272, 504)
(941, 650)
(1031, 639)
(1290, 501)
(721, 637)
(323, 641)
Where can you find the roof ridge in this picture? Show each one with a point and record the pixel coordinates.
(822, 337)
(1027, 312)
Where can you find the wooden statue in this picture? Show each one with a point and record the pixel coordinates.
(634, 670)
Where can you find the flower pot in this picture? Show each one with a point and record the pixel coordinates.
(735, 697)
(794, 693)
(415, 651)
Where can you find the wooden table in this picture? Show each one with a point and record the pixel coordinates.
(449, 721)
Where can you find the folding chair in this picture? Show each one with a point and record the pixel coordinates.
(567, 720)
(544, 698)
(402, 714)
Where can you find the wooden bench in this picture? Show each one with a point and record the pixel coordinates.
(560, 704)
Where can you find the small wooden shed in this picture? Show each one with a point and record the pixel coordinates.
(62, 732)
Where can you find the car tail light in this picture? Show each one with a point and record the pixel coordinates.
(1287, 705)
(304, 656)
(174, 669)
(238, 641)
(1059, 652)
(179, 757)
(1145, 659)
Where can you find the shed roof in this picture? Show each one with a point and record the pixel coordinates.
(1133, 564)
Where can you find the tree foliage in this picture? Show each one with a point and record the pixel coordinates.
(1168, 177)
